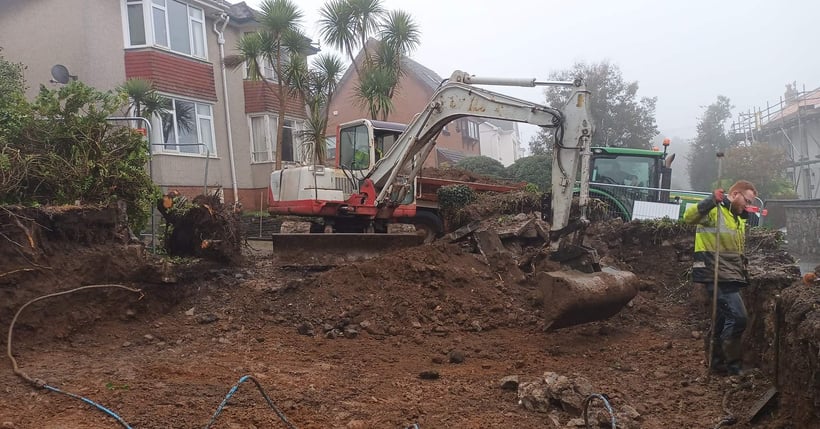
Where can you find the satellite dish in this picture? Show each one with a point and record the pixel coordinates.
(60, 74)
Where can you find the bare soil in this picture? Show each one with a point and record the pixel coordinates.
(420, 336)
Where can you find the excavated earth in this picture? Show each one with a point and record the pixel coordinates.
(419, 336)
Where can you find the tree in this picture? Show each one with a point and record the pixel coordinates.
(316, 85)
(621, 119)
(483, 165)
(535, 169)
(711, 138)
(541, 143)
(280, 22)
(144, 100)
(12, 96)
(762, 164)
(348, 25)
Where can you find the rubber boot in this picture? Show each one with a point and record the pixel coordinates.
(733, 351)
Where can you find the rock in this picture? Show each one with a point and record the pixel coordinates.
(148, 337)
(331, 334)
(631, 412)
(327, 327)
(126, 344)
(510, 382)
(130, 313)
(697, 335)
(223, 340)
(555, 390)
(429, 375)
(438, 360)
(350, 332)
(206, 318)
(305, 329)
(416, 325)
(7, 425)
(356, 424)
(190, 311)
(575, 423)
(456, 356)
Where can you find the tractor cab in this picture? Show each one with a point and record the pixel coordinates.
(621, 176)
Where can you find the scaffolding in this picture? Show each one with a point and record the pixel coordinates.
(794, 124)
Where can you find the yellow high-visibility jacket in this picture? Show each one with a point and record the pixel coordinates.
(732, 262)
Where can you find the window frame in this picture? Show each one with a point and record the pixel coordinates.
(148, 7)
(271, 121)
(162, 148)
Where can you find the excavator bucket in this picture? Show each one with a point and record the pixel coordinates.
(337, 248)
(572, 297)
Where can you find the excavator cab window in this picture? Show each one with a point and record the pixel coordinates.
(354, 150)
(385, 139)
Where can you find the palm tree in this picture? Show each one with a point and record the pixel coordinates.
(280, 21)
(144, 101)
(316, 85)
(349, 24)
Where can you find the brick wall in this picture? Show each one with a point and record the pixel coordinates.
(172, 73)
(260, 98)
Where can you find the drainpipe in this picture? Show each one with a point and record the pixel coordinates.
(221, 41)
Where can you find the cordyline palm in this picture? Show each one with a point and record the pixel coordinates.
(143, 99)
(316, 85)
(348, 24)
(279, 20)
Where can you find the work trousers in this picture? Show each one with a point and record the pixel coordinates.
(729, 324)
(731, 313)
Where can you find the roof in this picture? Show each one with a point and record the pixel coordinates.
(424, 75)
(452, 156)
(502, 124)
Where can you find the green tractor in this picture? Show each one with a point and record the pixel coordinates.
(621, 176)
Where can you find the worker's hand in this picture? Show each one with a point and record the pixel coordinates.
(718, 194)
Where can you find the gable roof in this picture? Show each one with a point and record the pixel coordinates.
(424, 75)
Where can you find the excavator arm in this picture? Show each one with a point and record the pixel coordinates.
(395, 172)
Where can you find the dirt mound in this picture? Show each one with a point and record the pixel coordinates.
(463, 176)
(432, 289)
(49, 249)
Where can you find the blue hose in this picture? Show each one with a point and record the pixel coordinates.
(264, 395)
(605, 400)
(92, 403)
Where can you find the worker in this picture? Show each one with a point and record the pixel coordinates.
(732, 273)
(632, 180)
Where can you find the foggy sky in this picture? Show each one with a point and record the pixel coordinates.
(685, 52)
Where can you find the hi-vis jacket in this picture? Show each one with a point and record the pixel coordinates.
(732, 263)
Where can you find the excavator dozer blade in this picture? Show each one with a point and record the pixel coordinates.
(572, 297)
(338, 248)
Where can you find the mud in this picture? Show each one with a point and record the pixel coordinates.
(356, 346)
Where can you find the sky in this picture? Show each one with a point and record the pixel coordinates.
(685, 53)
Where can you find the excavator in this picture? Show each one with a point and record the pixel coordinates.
(376, 169)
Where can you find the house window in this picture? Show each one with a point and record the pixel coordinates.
(263, 140)
(266, 66)
(187, 128)
(169, 24)
(471, 129)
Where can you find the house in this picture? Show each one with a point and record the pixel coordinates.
(500, 140)
(792, 124)
(178, 45)
(459, 139)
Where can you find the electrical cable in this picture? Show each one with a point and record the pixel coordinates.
(233, 390)
(42, 384)
(608, 407)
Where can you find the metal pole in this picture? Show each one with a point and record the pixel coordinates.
(717, 266)
(150, 168)
(207, 160)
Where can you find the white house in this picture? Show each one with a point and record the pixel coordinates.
(500, 140)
